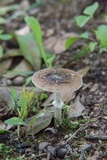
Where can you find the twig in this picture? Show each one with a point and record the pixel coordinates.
(75, 133)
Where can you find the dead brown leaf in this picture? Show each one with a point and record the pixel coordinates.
(57, 44)
(76, 108)
(23, 66)
(4, 66)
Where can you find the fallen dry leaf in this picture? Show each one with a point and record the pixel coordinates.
(4, 66)
(94, 87)
(57, 44)
(84, 71)
(5, 101)
(40, 121)
(76, 109)
(2, 125)
(23, 66)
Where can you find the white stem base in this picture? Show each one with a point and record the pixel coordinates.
(58, 114)
(58, 104)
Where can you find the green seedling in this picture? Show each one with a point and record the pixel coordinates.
(88, 14)
(21, 104)
(99, 39)
(3, 37)
(35, 27)
(17, 122)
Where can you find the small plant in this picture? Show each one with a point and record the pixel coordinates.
(5, 149)
(35, 27)
(3, 37)
(99, 39)
(22, 106)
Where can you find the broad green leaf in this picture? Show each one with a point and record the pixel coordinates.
(90, 10)
(35, 26)
(92, 46)
(84, 35)
(30, 49)
(82, 20)
(5, 37)
(101, 35)
(1, 51)
(70, 41)
(15, 121)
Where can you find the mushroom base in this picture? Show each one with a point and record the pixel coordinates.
(58, 114)
(58, 104)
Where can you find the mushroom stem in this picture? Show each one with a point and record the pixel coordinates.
(58, 104)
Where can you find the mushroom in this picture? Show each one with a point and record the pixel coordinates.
(58, 81)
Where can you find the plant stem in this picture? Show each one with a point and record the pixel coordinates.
(18, 130)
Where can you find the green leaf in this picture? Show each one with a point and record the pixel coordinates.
(30, 49)
(43, 96)
(83, 53)
(101, 35)
(15, 121)
(35, 26)
(2, 131)
(1, 31)
(103, 50)
(90, 10)
(5, 37)
(92, 46)
(70, 41)
(1, 51)
(84, 35)
(82, 20)
(49, 58)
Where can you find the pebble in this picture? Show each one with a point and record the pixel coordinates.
(21, 150)
(5, 82)
(51, 150)
(61, 152)
(43, 145)
(19, 80)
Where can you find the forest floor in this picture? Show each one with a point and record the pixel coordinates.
(83, 134)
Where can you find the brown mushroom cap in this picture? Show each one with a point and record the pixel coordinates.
(57, 80)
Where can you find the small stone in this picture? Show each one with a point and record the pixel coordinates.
(18, 81)
(61, 152)
(5, 82)
(43, 145)
(33, 156)
(21, 150)
(51, 150)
